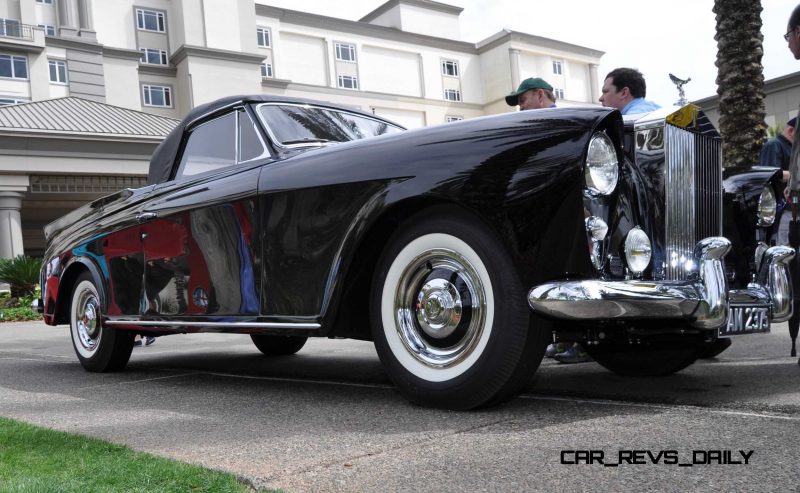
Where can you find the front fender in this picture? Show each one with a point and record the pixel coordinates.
(742, 189)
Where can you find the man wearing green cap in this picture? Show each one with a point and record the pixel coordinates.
(533, 94)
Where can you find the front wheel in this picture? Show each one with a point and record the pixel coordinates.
(99, 349)
(648, 361)
(449, 317)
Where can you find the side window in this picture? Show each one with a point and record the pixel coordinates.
(250, 145)
(211, 145)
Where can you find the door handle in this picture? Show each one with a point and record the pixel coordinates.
(146, 216)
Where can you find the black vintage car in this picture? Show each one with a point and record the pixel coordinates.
(461, 250)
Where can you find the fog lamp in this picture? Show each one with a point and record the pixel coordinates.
(637, 250)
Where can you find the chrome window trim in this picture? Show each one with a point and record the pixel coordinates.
(265, 152)
(238, 109)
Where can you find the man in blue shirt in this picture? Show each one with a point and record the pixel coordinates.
(625, 89)
(777, 152)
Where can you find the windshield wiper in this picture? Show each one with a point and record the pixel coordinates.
(307, 141)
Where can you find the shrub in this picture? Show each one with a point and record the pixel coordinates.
(20, 314)
(22, 273)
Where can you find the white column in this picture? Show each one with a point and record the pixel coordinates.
(329, 78)
(594, 83)
(85, 20)
(67, 18)
(421, 76)
(514, 57)
(10, 224)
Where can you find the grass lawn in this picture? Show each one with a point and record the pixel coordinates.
(35, 459)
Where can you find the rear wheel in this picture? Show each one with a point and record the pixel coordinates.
(653, 360)
(449, 316)
(276, 345)
(99, 349)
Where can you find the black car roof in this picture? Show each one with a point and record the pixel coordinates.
(165, 153)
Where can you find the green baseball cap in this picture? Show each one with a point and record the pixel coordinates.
(526, 85)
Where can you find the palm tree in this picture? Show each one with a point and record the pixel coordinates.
(740, 80)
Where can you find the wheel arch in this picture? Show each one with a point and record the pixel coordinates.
(66, 283)
(351, 321)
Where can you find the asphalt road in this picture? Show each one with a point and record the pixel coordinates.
(327, 419)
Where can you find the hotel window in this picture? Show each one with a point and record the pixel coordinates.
(559, 93)
(9, 101)
(348, 82)
(153, 57)
(13, 67)
(159, 96)
(58, 71)
(453, 118)
(450, 68)
(150, 20)
(557, 67)
(48, 30)
(266, 69)
(10, 28)
(264, 40)
(345, 52)
(452, 95)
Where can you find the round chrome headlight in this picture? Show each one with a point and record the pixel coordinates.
(602, 166)
(767, 207)
(637, 250)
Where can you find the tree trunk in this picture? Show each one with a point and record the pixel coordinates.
(740, 80)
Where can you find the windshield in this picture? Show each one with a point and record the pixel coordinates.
(296, 124)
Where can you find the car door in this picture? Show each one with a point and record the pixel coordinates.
(199, 231)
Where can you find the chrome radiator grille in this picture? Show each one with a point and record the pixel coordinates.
(693, 194)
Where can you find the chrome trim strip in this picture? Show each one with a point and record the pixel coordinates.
(255, 325)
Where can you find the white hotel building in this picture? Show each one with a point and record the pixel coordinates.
(124, 69)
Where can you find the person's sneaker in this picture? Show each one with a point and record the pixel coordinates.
(149, 340)
(137, 342)
(574, 354)
(554, 349)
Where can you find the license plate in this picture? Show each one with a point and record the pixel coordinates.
(746, 320)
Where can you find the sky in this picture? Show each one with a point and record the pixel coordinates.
(655, 37)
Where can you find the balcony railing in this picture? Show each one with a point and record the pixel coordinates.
(10, 28)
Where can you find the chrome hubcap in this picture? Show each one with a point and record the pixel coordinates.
(87, 320)
(440, 308)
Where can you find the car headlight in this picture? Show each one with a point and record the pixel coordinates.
(602, 166)
(767, 207)
(637, 250)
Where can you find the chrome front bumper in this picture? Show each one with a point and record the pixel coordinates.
(702, 302)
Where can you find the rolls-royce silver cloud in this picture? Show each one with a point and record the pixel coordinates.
(461, 249)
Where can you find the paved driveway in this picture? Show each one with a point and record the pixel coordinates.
(327, 418)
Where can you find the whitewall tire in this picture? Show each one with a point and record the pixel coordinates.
(448, 313)
(99, 348)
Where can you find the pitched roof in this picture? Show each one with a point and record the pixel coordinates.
(77, 116)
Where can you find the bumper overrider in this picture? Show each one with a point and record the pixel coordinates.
(703, 301)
